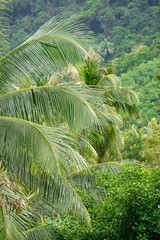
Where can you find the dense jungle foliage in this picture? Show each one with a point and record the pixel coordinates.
(80, 134)
(129, 210)
(118, 26)
(125, 33)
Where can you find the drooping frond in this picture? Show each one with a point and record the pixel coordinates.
(96, 98)
(111, 167)
(107, 143)
(54, 45)
(12, 226)
(49, 105)
(43, 158)
(123, 99)
(39, 233)
(110, 80)
(20, 217)
(77, 106)
(77, 177)
(15, 214)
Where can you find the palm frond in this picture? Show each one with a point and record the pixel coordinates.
(111, 167)
(96, 98)
(107, 143)
(43, 158)
(39, 233)
(14, 211)
(109, 80)
(77, 177)
(123, 99)
(54, 45)
(127, 95)
(76, 106)
(49, 105)
(19, 217)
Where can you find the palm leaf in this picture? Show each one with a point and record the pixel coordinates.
(50, 105)
(77, 106)
(39, 233)
(96, 99)
(14, 212)
(43, 158)
(77, 177)
(17, 219)
(111, 167)
(53, 46)
(123, 99)
(109, 80)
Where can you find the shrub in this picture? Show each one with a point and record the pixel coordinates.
(130, 210)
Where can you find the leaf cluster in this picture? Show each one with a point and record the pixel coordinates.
(130, 210)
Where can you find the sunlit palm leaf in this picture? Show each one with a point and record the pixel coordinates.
(53, 46)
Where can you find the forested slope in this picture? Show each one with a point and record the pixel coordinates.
(125, 33)
(143, 80)
(118, 25)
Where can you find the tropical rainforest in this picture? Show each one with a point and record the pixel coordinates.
(80, 119)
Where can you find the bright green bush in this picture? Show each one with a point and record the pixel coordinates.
(131, 210)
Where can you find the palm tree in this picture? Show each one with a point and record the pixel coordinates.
(107, 142)
(35, 121)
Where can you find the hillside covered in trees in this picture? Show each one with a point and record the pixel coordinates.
(118, 26)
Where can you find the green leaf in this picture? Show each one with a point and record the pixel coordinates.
(53, 46)
(43, 158)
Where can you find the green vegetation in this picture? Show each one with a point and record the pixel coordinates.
(151, 143)
(119, 26)
(133, 144)
(140, 54)
(77, 103)
(143, 80)
(143, 144)
(129, 210)
(35, 120)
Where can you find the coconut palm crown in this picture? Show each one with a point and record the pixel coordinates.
(36, 122)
